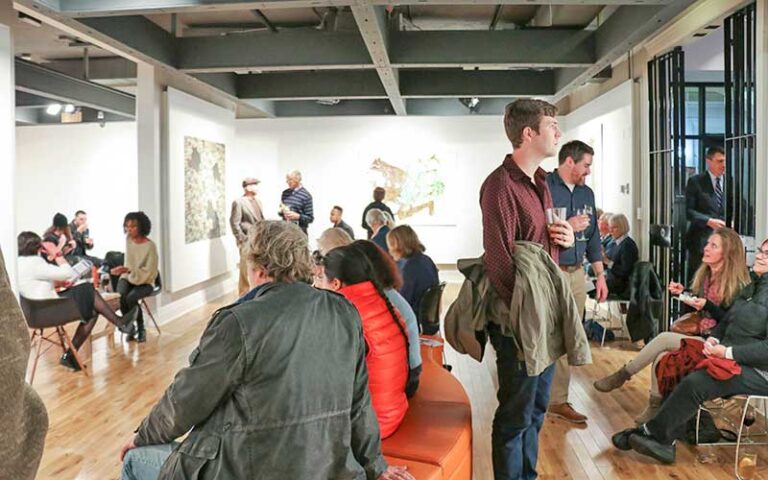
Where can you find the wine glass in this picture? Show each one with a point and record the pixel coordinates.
(581, 236)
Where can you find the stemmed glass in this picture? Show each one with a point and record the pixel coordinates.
(587, 210)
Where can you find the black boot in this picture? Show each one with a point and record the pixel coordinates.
(129, 323)
(141, 332)
(645, 444)
(68, 360)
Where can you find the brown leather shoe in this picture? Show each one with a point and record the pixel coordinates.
(566, 412)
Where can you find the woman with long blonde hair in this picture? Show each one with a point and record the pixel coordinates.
(717, 283)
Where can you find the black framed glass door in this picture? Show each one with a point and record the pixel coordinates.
(666, 96)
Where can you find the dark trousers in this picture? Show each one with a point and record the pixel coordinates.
(523, 401)
(696, 388)
(694, 260)
(130, 295)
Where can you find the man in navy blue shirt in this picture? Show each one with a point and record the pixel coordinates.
(567, 185)
(296, 202)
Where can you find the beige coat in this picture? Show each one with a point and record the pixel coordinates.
(23, 416)
(542, 316)
(245, 214)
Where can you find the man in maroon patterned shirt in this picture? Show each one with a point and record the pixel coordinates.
(513, 200)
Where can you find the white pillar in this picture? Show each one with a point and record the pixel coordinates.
(7, 153)
(149, 142)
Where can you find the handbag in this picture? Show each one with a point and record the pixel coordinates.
(688, 324)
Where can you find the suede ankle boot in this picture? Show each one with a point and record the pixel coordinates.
(613, 381)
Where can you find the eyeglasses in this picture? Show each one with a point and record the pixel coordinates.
(318, 257)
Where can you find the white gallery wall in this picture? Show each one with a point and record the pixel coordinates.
(606, 125)
(335, 157)
(196, 262)
(65, 168)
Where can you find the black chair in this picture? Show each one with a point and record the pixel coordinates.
(53, 314)
(429, 309)
(155, 292)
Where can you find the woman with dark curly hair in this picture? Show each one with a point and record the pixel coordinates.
(138, 274)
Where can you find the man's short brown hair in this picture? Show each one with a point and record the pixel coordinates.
(526, 112)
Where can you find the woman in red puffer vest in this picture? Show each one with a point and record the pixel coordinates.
(349, 272)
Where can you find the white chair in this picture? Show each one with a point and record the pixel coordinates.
(741, 436)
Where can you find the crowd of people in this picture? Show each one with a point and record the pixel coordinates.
(320, 353)
(57, 265)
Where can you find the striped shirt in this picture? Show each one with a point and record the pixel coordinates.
(299, 201)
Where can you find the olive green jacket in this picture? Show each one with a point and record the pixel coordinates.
(542, 316)
(23, 416)
(277, 389)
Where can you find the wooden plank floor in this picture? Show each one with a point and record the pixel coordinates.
(91, 417)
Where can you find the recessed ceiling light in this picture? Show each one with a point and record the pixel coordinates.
(26, 56)
(69, 108)
(53, 109)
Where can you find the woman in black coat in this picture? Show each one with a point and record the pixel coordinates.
(741, 336)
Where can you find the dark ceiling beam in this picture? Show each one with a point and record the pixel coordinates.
(139, 40)
(452, 106)
(627, 27)
(291, 50)
(226, 82)
(434, 84)
(364, 84)
(103, 8)
(137, 33)
(503, 48)
(30, 101)
(496, 17)
(373, 26)
(36, 80)
(99, 68)
(344, 107)
(260, 15)
(318, 50)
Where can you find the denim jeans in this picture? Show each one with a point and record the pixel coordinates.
(523, 401)
(144, 463)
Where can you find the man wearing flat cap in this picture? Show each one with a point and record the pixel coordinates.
(246, 212)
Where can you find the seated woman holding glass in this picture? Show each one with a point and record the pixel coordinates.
(736, 357)
(717, 282)
(624, 256)
(39, 279)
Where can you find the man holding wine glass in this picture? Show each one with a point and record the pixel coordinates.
(513, 201)
(576, 200)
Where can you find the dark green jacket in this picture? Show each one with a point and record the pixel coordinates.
(277, 389)
(745, 326)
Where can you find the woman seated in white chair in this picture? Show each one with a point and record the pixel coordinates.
(717, 282)
(736, 359)
(38, 280)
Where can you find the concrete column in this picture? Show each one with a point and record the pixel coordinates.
(7, 153)
(149, 121)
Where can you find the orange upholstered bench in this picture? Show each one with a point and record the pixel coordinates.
(435, 438)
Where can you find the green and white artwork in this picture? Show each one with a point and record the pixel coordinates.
(204, 189)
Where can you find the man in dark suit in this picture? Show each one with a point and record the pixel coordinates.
(705, 206)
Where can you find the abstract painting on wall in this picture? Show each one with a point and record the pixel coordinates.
(414, 189)
(204, 205)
